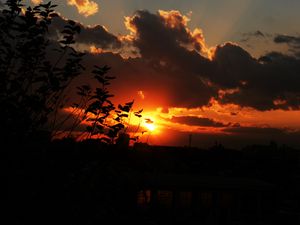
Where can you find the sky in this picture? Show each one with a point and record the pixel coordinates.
(222, 71)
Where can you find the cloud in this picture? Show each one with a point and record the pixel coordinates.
(176, 69)
(141, 94)
(254, 130)
(250, 35)
(97, 36)
(196, 121)
(36, 2)
(259, 83)
(292, 41)
(176, 53)
(174, 35)
(85, 7)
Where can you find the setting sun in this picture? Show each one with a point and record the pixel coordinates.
(150, 126)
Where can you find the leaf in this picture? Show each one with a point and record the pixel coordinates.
(147, 120)
(140, 111)
(89, 129)
(130, 104)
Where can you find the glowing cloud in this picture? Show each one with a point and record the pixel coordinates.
(85, 7)
(174, 18)
(36, 2)
(95, 50)
(141, 94)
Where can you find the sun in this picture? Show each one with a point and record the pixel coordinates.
(150, 126)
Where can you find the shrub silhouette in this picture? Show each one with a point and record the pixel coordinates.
(33, 83)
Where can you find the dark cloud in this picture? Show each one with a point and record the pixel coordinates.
(232, 65)
(173, 71)
(249, 36)
(90, 35)
(196, 121)
(263, 85)
(256, 34)
(167, 65)
(166, 31)
(291, 40)
(266, 83)
(162, 86)
(164, 37)
(254, 130)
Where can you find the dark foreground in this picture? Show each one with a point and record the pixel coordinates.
(89, 183)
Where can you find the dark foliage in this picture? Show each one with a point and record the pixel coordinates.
(32, 85)
(35, 76)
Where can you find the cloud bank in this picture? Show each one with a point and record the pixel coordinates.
(172, 65)
(97, 36)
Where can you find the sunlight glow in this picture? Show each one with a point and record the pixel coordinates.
(150, 126)
(85, 7)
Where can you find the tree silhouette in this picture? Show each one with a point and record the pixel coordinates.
(35, 75)
(33, 84)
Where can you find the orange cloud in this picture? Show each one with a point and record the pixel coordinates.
(141, 94)
(85, 7)
(128, 22)
(95, 50)
(174, 19)
(36, 2)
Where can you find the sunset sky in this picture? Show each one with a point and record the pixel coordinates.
(226, 71)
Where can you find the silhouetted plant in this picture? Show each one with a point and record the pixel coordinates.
(34, 82)
(106, 123)
(32, 85)
(136, 137)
